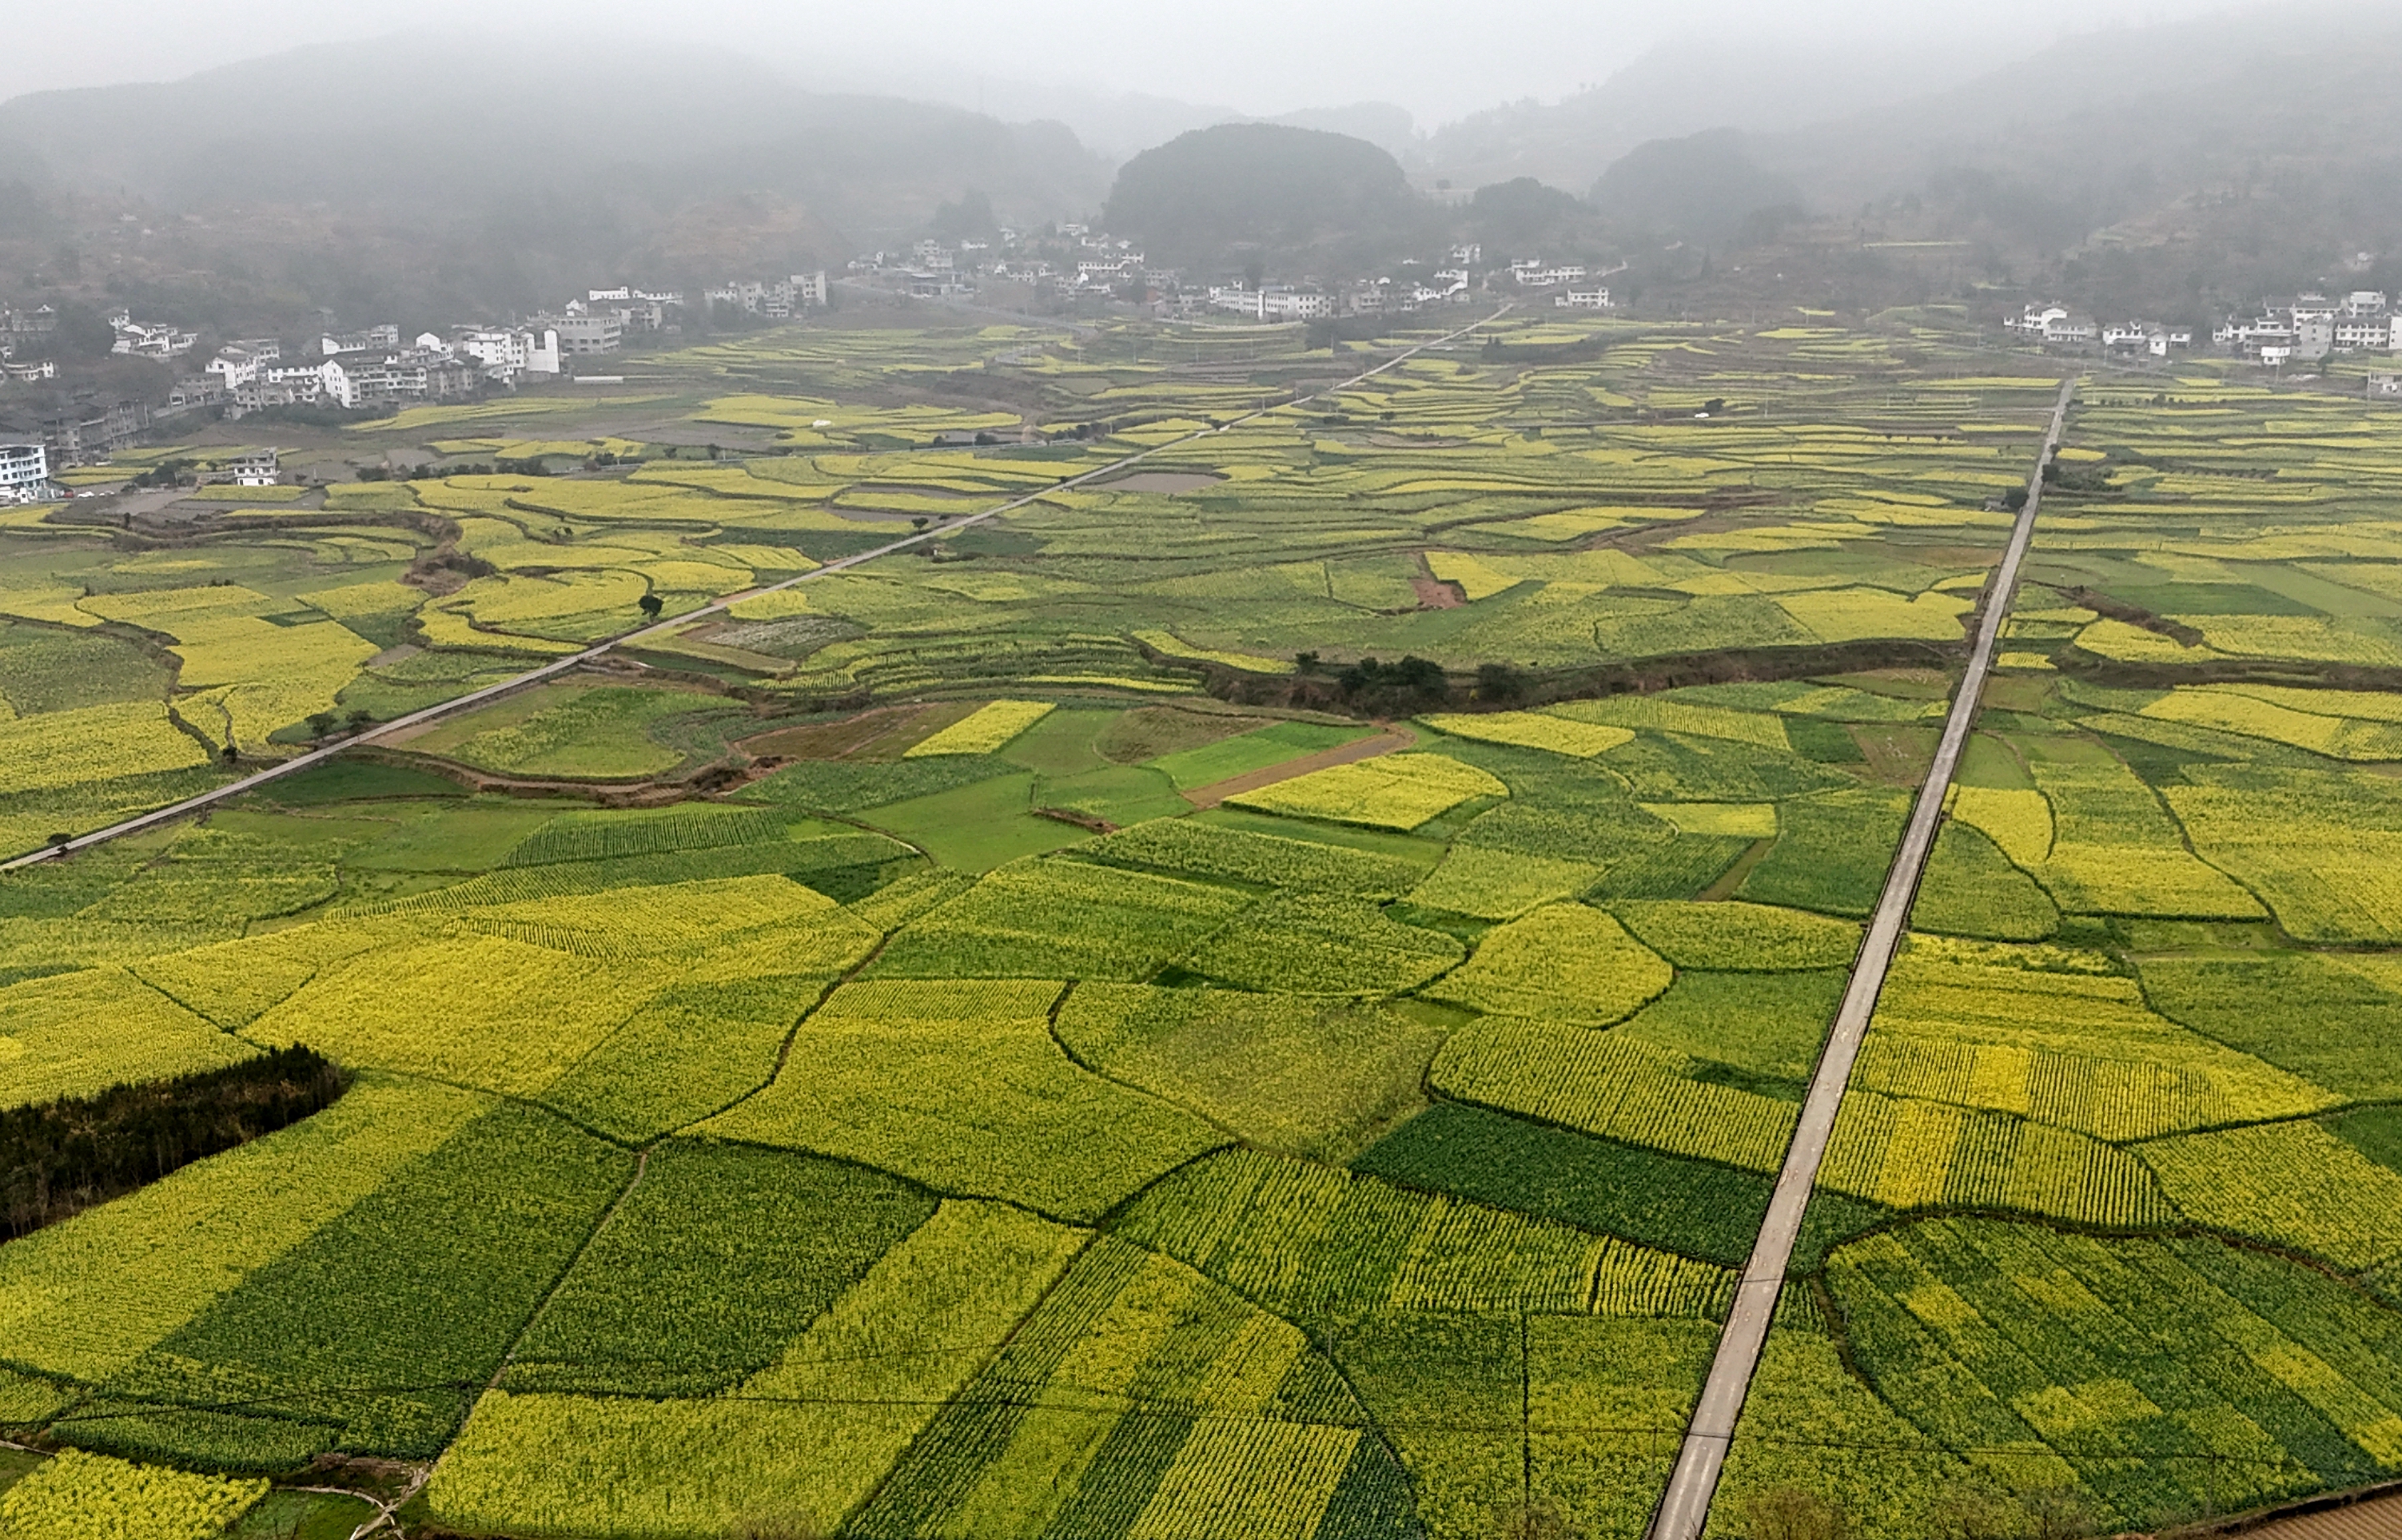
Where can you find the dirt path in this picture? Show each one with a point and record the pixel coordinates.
(1391, 738)
(386, 731)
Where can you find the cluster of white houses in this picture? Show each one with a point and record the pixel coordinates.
(2310, 326)
(2302, 330)
(26, 470)
(1075, 261)
(376, 366)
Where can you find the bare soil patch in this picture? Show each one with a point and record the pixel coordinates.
(1435, 594)
(877, 735)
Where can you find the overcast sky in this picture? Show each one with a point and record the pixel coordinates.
(1439, 59)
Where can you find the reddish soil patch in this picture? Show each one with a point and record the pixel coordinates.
(871, 734)
(1435, 594)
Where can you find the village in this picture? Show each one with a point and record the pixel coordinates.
(378, 367)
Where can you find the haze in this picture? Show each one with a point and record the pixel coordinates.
(1438, 60)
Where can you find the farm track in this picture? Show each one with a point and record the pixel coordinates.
(1391, 740)
(659, 628)
(1685, 1504)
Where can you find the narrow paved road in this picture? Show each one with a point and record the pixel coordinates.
(1685, 1507)
(560, 665)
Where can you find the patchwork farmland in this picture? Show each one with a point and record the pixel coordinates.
(1260, 993)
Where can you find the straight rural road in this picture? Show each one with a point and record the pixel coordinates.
(560, 665)
(1685, 1505)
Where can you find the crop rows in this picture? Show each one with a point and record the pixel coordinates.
(984, 730)
(74, 1495)
(1060, 919)
(880, 1085)
(1910, 1154)
(1209, 851)
(1565, 962)
(1614, 1086)
(800, 1442)
(1533, 730)
(1299, 1238)
(1396, 792)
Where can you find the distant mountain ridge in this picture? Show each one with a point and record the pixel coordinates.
(446, 126)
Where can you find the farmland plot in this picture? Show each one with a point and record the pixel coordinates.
(925, 1117)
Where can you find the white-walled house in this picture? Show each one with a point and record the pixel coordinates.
(24, 473)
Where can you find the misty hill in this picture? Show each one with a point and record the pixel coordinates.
(1684, 87)
(2230, 157)
(597, 165)
(1242, 191)
(1387, 126)
(1703, 187)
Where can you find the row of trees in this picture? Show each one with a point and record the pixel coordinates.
(61, 1157)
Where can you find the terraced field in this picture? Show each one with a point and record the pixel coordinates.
(1037, 1036)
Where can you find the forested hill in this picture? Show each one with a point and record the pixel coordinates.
(1265, 191)
(592, 164)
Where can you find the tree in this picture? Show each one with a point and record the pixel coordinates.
(320, 723)
(651, 605)
(1789, 1513)
(971, 215)
(1498, 681)
(1409, 685)
(1538, 1520)
(2056, 1513)
(1975, 1513)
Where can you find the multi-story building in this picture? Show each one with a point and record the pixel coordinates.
(251, 468)
(235, 365)
(507, 352)
(24, 473)
(1282, 304)
(936, 284)
(92, 432)
(2362, 334)
(193, 393)
(582, 336)
(384, 338)
(296, 387)
(636, 309)
(2055, 326)
(1583, 299)
(419, 373)
(143, 341)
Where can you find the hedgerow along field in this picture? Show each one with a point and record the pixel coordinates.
(1038, 1035)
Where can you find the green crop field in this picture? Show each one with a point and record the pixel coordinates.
(1063, 1031)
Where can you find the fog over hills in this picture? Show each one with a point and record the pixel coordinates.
(483, 129)
(2248, 149)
